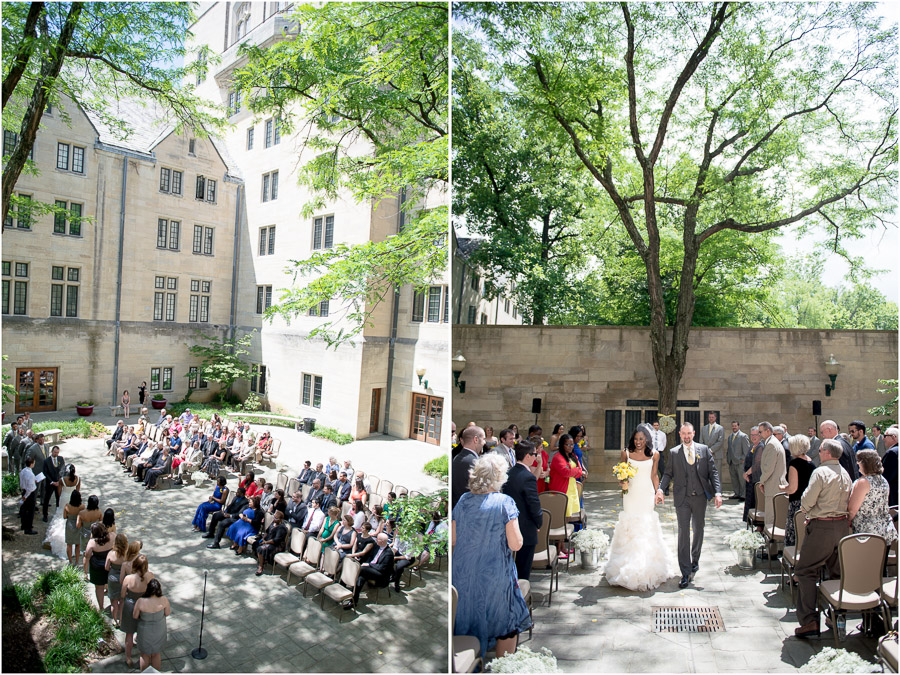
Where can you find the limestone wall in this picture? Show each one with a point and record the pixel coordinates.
(745, 374)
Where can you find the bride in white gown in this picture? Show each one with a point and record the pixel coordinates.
(56, 530)
(638, 558)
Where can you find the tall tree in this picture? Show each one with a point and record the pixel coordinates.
(524, 196)
(92, 53)
(743, 117)
(356, 74)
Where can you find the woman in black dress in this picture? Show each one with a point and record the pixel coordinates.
(270, 542)
(142, 393)
(799, 472)
(95, 560)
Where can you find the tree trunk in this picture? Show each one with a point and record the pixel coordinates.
(539, 303)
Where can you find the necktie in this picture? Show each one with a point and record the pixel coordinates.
(377, 556)
(308, 520)
(690, 455)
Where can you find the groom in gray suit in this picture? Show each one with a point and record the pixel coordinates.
(696, 482)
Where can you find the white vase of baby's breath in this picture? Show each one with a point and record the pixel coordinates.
(592, 544)
(744, 544)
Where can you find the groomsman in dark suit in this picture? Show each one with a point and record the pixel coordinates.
(52, 470)
(521, 485)
(471, 441)
(378, 569)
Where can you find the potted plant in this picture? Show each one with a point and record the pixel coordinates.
(84, 408)
(158, 402)
(592, 544)
(744, 543)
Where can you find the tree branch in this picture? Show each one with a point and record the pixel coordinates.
(23, 53)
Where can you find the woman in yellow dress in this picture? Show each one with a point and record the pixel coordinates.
(564, 470)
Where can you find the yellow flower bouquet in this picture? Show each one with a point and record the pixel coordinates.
(623, 471)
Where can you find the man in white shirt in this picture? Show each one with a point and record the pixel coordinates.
(28, 484)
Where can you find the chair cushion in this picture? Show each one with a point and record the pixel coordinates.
(286, 559)
(525, 587)
(887, 650)
(889, 590)
(466, 650)
(831, 592)
(319, 580)
(338, 593)
(301, 569)
(774, 533)
(789, 553)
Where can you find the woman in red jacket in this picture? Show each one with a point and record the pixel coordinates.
(564, 469)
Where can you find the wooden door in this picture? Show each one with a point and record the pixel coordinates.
(35, 389)
(427, 415)
(375, 413)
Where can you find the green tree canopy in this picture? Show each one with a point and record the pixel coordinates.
(93, 53)
(360, 75)
(700, 122)
(222, 359)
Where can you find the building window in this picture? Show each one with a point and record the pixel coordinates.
(170, 181)
(195, 378)
(168, 234)
(154, 379)
(9, 142)
(484, 319)
(241, 20)
(192, 147)
(203, 240)
(68, 218)
(277, 138)
(267, 240)
(312, 390)
(273, 132)
(206, 189)
(69, 290)
(64, 151)
(258, 379)
(515, 312)
(446, 318)
(201, 68)
(506, 305)
(19, 216)
(434, 304)
(198, 239)
(199, 303)
(270, 186)
(234, 101)
(208, 233)
(263, 298)
(164, 298)
(472, 311)
(323, 232)
(319, 310)
(475, 281)
(418, 306)
(19, 288)
(250, 138)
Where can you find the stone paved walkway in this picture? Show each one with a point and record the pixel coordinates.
(593, 627)
(257, 624)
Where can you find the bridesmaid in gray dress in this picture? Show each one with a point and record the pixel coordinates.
(133, 588)
(151, 611)
(114, 562)
(71, 512)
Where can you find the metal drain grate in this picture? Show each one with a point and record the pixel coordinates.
(687, 620)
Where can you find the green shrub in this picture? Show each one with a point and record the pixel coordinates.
(205, 410)
(438, 467)
(64, 657)
(332, 435)
(252, 403)
(10, 485)
(24, 594)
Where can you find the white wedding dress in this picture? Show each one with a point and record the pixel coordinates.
(638, 557)
(56, 530)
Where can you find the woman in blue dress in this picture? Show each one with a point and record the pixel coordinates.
(215, 502)
(485, 534)
(245, 526)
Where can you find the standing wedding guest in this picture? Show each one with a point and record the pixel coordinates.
(522, 487)
(485, 534)
(95, 560)
(133, 587)
(150, 611)
(29, 496)
(868, 506)
(90, 515)
(471, 441)
(142, 395)
(126, 403)
(73, 531)
(52, 470)
(114, 562)
(799, 473)
(214, 503)
(564, 471)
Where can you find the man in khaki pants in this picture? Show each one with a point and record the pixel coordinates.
(773, 474)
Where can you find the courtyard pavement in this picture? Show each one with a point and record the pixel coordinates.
(593, 627)
(257, 624)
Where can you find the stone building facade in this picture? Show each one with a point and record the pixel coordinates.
(603, 377)
(96, 304)
(470, 305)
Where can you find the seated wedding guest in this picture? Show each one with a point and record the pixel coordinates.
(163, 467)
(87, 517)
(109, 521)
(263, 445)
(277, 503)
(116, 435)
(267, 496)
(332, 480)
(367, 486)
(247, 524)
(193, 457)
(151, 611)
(485, 533)
(359, 514)
(306, 475)
(127, 456)
(869, 509)
(345, 537)
(295, 513)
(314, 518)
(349, 470)
(114, 562)
(315, 492)
(404, 556)
(328, 498)
(248, 481)
(365, 544)
(377, 520)
(342, 487)
(134, 584)
(73, 529)
(213, 504)
(126, 443)
(358, 493)
(390, 507)
(144, 462)
(270, 542)
(256, 488)
(329, 526)
(95, 560)
(332, 466)
(379, 568)
(214, 461)
(222, 520)
(242, 454)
